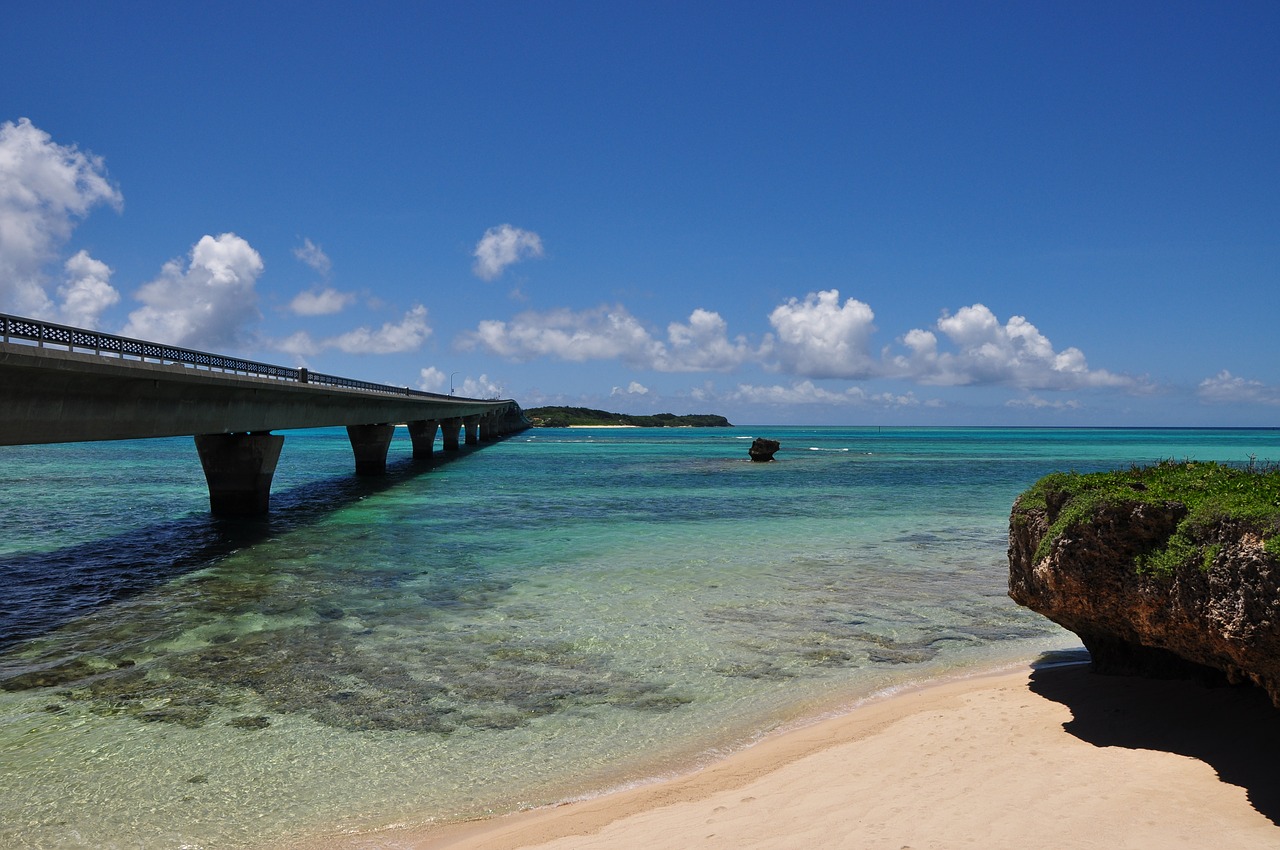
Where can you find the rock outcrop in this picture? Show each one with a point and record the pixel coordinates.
(762, 450)
(1216, 616)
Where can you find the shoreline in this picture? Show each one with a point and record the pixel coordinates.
(1047, 757)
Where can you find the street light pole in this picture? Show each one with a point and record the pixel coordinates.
(451, 383)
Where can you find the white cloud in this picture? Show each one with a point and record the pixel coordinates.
(821, 338)
(321, 302)
(702, 345)
(634, 388)
(502, 246)
(392, 338)
(433, 380)
(208, 305)
(603, 333)
(1014, 354)
(86, 291)
(44, 189)
(300, 344)
(311, 254)
(408, 334)
(482, 387)
(807, 392)
(1225, 388)
(607, 333)
(1035, 402)
(816, 337)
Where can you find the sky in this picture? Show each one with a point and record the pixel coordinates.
(854, 213)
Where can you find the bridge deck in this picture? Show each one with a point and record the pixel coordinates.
(50, 395)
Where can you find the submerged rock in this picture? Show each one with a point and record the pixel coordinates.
(1214, 614)
(763, 450)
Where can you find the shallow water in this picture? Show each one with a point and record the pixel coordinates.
(560, 612)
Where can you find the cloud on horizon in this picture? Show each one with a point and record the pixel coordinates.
(817, 337)
(1014, 354)
(1225, 388)
(807, 392)
(633, 388)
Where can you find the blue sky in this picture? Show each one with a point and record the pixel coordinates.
(849, 213)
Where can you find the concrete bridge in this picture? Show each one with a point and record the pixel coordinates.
(60, 384)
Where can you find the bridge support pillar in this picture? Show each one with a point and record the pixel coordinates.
(473, 429)
(423, 434)
(512, 421)
(238, 469)
(369, 442)
(449, 433)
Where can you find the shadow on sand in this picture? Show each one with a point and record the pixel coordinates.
(1234, 730)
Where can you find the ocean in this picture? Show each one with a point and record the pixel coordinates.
(547, 617)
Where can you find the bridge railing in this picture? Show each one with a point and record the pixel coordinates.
(110, 345)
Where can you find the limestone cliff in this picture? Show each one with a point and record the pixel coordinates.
(1157, 577)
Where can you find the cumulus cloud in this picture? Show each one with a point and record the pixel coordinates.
(633, 388)
(987, 352)
(45, 188)
(433, 380)
(312, 255)
(503, 246)
(603, 333)
(86, 292)
(321, 302)
(208, 304)
(408, 334)
(816, 337)
(821, 338)
(482, 387)
(607, 333)
(702, 345)
(1225, 388)
(392, 338)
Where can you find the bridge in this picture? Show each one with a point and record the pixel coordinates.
(60, 384)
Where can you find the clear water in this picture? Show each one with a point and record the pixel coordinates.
(541, 618)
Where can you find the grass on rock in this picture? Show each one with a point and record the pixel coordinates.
(1215, 497)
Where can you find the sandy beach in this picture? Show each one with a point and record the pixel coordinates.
(1050, 758)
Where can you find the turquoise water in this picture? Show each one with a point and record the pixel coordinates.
(546, 617)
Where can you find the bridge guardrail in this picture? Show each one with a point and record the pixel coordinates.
(103, 344)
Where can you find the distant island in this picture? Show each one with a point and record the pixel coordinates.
(569, 417)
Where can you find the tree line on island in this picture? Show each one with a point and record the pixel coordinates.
(566, 417)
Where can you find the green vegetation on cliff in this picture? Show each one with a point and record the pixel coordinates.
(564, 417)
(1215, 497)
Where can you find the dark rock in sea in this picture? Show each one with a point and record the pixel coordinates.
(763, 450)
(1215, 616)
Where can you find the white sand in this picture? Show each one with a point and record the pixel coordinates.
(982, 762)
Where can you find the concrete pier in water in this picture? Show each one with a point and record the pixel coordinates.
(64, 388)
